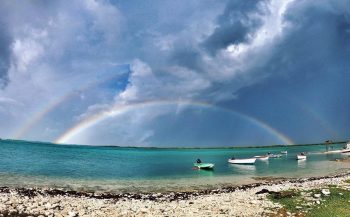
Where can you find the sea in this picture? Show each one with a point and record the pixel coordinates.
(134, 169)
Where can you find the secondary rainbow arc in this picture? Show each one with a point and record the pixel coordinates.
(41, 114)
(121, 109)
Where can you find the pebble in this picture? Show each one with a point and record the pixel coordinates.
(72, 214)
(144, 210)
(241, 201)
(325, 192)
(317, 195)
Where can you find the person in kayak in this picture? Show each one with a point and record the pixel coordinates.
(199, 161)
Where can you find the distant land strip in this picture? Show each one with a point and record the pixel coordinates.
(182, 147)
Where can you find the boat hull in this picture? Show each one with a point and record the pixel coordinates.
(275, 156)
(261, 157)
(301, 157)
(204, 166)
(334, 151)
(242, 161)
(346, 151)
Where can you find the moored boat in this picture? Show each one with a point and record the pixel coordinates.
(204, 165)
(262, 157)
(346, 149)
(200, 165)
(334, 151)
(301, 156)
(275, 155)
(284, 152)
(242, 161)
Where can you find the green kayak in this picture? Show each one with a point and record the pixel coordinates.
(204, 165)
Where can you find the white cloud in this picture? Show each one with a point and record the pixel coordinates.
(141, 82)
(175, 83)
(45, 42)
(9, 101)
(107, 19)
(25, 52)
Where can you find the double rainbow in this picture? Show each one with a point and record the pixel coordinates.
(122, 109)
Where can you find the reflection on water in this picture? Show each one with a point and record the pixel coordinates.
(205, 172)
(266, 161)
(243, 168)
(302, 163)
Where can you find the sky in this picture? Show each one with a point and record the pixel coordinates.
(175, 73)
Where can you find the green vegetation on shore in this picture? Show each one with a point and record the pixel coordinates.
(314, 203)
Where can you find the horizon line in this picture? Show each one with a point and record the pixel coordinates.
(178, 147)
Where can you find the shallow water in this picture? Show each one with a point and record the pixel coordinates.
(141, 169)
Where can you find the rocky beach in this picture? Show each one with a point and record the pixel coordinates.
(244, 200)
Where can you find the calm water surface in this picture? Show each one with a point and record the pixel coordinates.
(109, 168)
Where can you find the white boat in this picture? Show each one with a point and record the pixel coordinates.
(204, 165)
(346, 150)
(275, 155)
(334, 151)
(242, 161)
(284, 152)
(301, 156)
(263, 157)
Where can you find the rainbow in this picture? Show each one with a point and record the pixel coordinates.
(321, 121)
(121, 109)
(41, 114)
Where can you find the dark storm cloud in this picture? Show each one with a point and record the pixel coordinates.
(236, 25)
(316, 41)
(177, 50)
(5, 52)
(13, 15)
(309, 64)
(5, 43)
(188, 58)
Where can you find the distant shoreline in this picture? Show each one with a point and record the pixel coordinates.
(185, 148)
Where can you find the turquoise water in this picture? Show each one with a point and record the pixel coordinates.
(36, 163)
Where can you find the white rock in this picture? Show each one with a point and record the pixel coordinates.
(317, 195)
(72, 214)
(144, 210)
(253, 202)
(325, 192)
